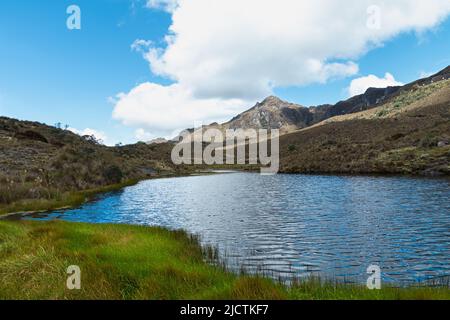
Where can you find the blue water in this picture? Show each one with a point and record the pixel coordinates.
(302, 225)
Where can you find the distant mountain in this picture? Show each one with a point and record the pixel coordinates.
(274, 113)
(157, 141)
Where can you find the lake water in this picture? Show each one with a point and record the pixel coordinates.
(297, 225)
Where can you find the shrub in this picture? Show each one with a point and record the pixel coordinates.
(428, 141)
(382, 113)
(113, 174)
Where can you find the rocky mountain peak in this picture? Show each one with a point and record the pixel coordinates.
(273, 101)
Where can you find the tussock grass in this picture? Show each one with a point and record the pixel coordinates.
(132, 262)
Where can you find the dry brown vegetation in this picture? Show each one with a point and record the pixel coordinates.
(407, 134)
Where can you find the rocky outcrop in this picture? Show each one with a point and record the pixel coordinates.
(272, 113)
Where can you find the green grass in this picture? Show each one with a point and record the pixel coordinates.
(131, 262)
(65, 200)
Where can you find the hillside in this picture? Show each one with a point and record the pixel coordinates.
(409, 133)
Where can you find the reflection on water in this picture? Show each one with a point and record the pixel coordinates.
(332, 226)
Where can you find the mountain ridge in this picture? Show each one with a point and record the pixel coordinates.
(275, 113)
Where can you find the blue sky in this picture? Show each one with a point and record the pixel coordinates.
(51, 74)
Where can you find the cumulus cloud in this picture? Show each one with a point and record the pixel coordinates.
(166, 110)
(242, 49)
(99, 135)
(425, 74)
(360, 85)
(219, 53)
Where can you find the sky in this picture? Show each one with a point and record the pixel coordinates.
(142, 69)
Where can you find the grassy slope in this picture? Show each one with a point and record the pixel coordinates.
(130, 262)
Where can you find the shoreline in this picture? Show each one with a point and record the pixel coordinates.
(90, 194)
(75, 199)
(78, 198)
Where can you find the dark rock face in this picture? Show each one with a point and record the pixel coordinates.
(302, 117)
(371, 98)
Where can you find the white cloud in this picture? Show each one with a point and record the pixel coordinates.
(242, 49)
(167, 5)
(425, 74)
(143, 135)
(360, 85)
(99, 135)
(166, 110)
(140, 45)
(220, 53)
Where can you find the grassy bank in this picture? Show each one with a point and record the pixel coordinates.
(130, 262)
(63, 200)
